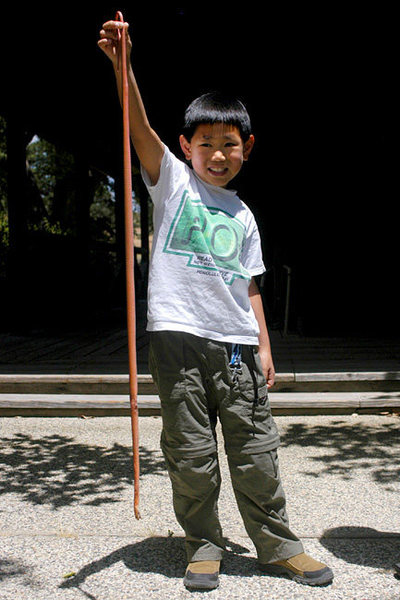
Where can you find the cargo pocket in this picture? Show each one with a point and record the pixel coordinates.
(253, 387)
(246, 419)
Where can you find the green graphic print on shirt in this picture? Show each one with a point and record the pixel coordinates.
(211, 238)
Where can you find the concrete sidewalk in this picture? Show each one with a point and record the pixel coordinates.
(68, 530)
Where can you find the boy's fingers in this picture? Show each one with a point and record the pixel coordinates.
(270, 378)
(111, 33)
(104, 43)
(112, 38)
(111, 30)
(115, 25)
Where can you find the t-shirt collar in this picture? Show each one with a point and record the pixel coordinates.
(215, 188)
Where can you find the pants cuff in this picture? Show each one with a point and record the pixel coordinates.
(207, 552)
(282, 552)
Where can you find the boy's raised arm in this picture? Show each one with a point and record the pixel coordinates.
(145, 140)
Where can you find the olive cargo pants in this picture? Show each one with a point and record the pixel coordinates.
(196, 385)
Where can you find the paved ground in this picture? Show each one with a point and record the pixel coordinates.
(67, 528)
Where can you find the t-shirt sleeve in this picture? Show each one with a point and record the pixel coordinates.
(171, 170)
(251, 256)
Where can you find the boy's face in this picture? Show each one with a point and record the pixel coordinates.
(217, 152)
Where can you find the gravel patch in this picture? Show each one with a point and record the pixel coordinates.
(67, 528)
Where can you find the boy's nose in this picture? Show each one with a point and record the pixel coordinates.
(218, 155)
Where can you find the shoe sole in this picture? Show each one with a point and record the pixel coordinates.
(193, 588)
(325, 578)
(200, 583)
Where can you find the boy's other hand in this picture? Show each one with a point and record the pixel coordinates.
(109, 39)
(267, 367)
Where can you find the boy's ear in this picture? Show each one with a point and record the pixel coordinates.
(248, 146)
(186, 147)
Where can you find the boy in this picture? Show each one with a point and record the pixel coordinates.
(209, 352)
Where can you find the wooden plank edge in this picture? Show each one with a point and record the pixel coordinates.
(144, 378)
(14, 405)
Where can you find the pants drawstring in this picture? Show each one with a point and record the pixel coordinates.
(236, 361)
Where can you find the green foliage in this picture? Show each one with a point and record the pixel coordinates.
(69, 241)
(102, 209)
(4, 240)
(3, 229)
(4, 234)
(48, 167)
(54, 173)
(3, 166)
(53, 198)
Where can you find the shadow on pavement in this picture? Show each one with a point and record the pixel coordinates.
(363, 546)
(165, 556)
(349, 447)
(59, 471)
(13, 568)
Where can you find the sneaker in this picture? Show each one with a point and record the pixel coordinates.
(302, 569)
(397, 568)
(202, 575)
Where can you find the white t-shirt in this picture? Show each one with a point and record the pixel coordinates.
(206, 247)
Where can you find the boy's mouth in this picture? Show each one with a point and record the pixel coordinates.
(218, 171)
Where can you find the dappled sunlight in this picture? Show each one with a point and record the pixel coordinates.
(349, 447)
(58, 471)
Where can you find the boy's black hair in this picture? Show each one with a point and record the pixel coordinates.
(216, 107)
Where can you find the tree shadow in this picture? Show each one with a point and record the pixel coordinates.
(11, 568)
(363, 546)
(18, 570)
(349, 447)
(165, 556)
(58, 471)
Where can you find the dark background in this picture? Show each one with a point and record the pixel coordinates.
(319, 84)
